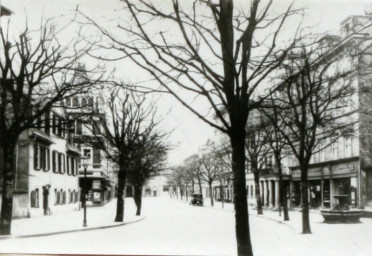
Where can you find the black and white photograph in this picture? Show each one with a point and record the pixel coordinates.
(186, 127)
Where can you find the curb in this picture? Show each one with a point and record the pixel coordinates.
(70, 231)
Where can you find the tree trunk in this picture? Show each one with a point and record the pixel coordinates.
(200, 186)
(282, 192)
(211, 193)
(187, 196)
(138, 199)
(192, 187)
(120, 201)
(305, 203)
(240, 193)
(256, 176)
(7, 191)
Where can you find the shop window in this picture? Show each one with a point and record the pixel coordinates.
(34, 198)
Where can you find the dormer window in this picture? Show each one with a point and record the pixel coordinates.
(347, 28)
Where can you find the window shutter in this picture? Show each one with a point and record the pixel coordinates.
(36, 156)
(96, 156)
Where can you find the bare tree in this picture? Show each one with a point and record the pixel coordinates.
(212, 50)
(314, 102)
(147, 161)
(128, 121)
(193, 168)
(211, 168)
(278, 148)
(257, 153)
(36, 74)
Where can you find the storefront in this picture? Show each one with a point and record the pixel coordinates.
(327, 183)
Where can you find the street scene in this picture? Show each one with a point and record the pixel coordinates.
(205, 231)
(176, 127)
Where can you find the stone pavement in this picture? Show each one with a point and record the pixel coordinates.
(97, 218)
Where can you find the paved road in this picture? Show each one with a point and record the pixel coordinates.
(172, 227)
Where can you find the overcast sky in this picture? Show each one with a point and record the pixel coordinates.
(189, 133)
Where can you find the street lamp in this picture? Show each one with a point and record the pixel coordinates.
(85, 162)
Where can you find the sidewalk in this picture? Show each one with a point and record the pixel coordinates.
(97, 218)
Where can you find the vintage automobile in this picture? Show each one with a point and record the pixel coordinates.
(197, 199)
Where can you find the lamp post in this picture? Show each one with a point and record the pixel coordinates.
(85, 162)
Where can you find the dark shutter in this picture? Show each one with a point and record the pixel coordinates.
(79, 126)
(36, 157)
(96, 158)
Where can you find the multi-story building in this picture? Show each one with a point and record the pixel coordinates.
(344, 167)
(82, 111)
(46, 180)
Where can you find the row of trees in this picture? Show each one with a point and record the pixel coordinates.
(235, 59)
(39, 73)
(207, 168)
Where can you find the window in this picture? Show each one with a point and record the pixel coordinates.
(34, 198)
(90, 104)
(61, 163)
(59, 197)
(72, 166)
(79, 126)
(63, 197)
(37, 161)
(55, 162)
(71, 197)
(76, 197)
(68, 164)
(55, 197)
(54, 124)
(84, 103)
(68, 102)
(96, 158)
(47, 123)
(251, 190)
(75, 102)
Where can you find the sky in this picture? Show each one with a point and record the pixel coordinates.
(188, 132)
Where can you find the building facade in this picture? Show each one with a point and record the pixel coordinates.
(343, 168)
(97, 176)
(46, 175)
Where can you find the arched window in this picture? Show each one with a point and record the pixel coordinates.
(84, 103)
(90, 104)
(75, 102)
(68, 102)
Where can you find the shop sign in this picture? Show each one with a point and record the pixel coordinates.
(96, 184)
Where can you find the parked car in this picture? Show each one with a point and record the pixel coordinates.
(197, 199)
